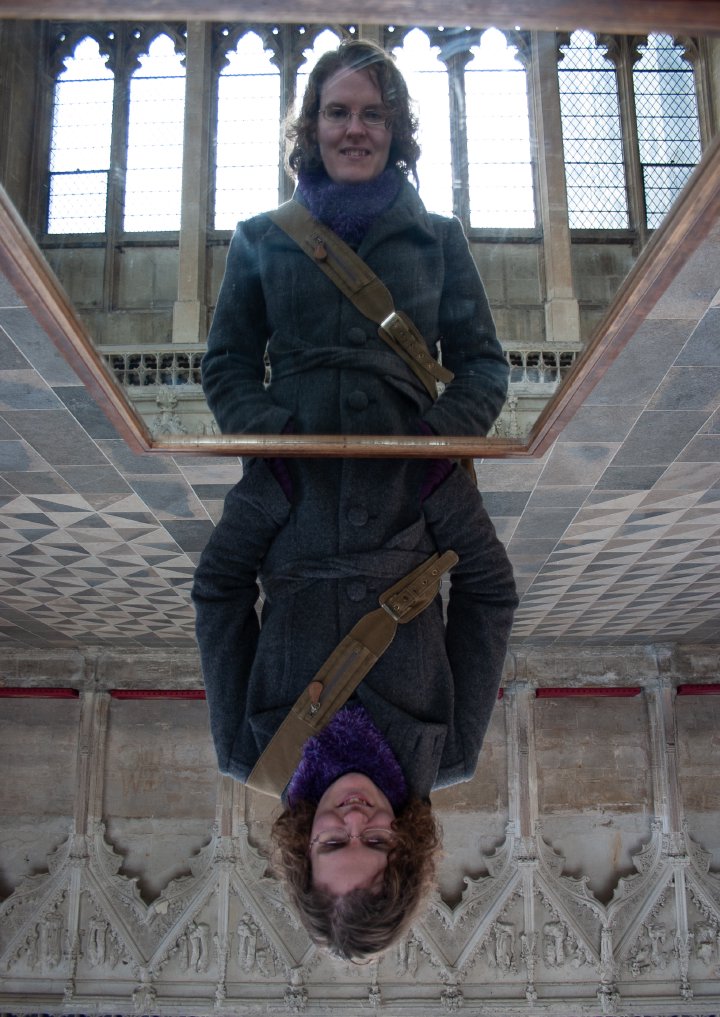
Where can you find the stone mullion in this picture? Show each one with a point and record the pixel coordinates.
(683, 937)
(706, 72)
(190, 310)
(710, 62)
(522, 765)
(562, 315)
(225, 861)
(90, 774)
(26, 104)
(660, 696)
(91, 761)
(289, 61)
(117, 177)
(370, 33)
(455, 64)
(624, 57)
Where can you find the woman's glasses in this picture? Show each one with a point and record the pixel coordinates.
(379, 839)
(340, 116)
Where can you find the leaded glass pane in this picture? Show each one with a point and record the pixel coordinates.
(592, 139)
(248, 141)
(667, 119)
(80, 143)
(498, 134)
(155, 140)
(427, 81)
(324, 42)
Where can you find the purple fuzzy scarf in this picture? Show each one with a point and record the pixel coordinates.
(349, 209)
(349, 744)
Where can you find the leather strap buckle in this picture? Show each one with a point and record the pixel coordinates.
(406, 599)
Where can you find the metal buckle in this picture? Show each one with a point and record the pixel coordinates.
(386, 607)
(392, 322)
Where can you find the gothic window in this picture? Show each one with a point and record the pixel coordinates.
(324, 41)
(247, 152)
(592, 136)
(427, 81)
(498, 136)
(155, 140)
(667, 123)
(80, 142)
(629, 119)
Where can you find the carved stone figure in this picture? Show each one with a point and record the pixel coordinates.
(554, 944)
(656, 935)
(296, 995)
(407, 956)
(504, 945)
(51, 928)
(648, 952)
(197, 934)
(451, 998)
(247, 932)
(97, 941)
(167, 422)
(31, 948)
(706, 938)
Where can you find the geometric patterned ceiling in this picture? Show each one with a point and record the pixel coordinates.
(614, 534)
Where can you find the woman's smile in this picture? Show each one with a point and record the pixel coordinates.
(352, 152)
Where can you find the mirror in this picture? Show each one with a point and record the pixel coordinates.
(133, 305)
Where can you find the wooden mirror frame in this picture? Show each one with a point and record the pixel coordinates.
(688, 222)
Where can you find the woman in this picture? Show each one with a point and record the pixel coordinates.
(330, 372)
(327, 536)
(416, 721)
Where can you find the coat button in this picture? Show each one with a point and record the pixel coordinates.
(357, 515)
(356, 336)
(356, 590)
(358, 400)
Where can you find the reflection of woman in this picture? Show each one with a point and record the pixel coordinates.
(330, 371)
(417, 719)
(326, 537)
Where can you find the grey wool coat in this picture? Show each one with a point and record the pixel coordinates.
(330, 371)
(352, 528)
(431, 694)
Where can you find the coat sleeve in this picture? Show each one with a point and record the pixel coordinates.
(480, 613)
(233, 368)
(225, 592)
(472, 402)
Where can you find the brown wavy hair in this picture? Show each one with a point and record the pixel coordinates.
(361, 923)
(356, 55)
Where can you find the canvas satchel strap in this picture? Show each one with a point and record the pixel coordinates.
(363, 288)
(343, 671)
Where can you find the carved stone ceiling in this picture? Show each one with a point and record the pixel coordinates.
(613, 533)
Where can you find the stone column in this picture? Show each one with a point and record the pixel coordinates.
(190, 310)
(562, 316)
(706, 66)
(522, 771)
(370, 33)
(660, 696)
(624, 53)
(455, 63)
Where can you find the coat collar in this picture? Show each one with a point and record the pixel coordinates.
(406, 214)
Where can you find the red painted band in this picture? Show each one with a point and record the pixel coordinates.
(619, 692)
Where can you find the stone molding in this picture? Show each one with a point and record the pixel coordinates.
(524, 937)
(223, 939)
(99, 668)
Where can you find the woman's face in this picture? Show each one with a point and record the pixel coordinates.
(352, 804)
(352, 152)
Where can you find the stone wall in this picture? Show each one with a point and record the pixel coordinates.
(580, 870)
